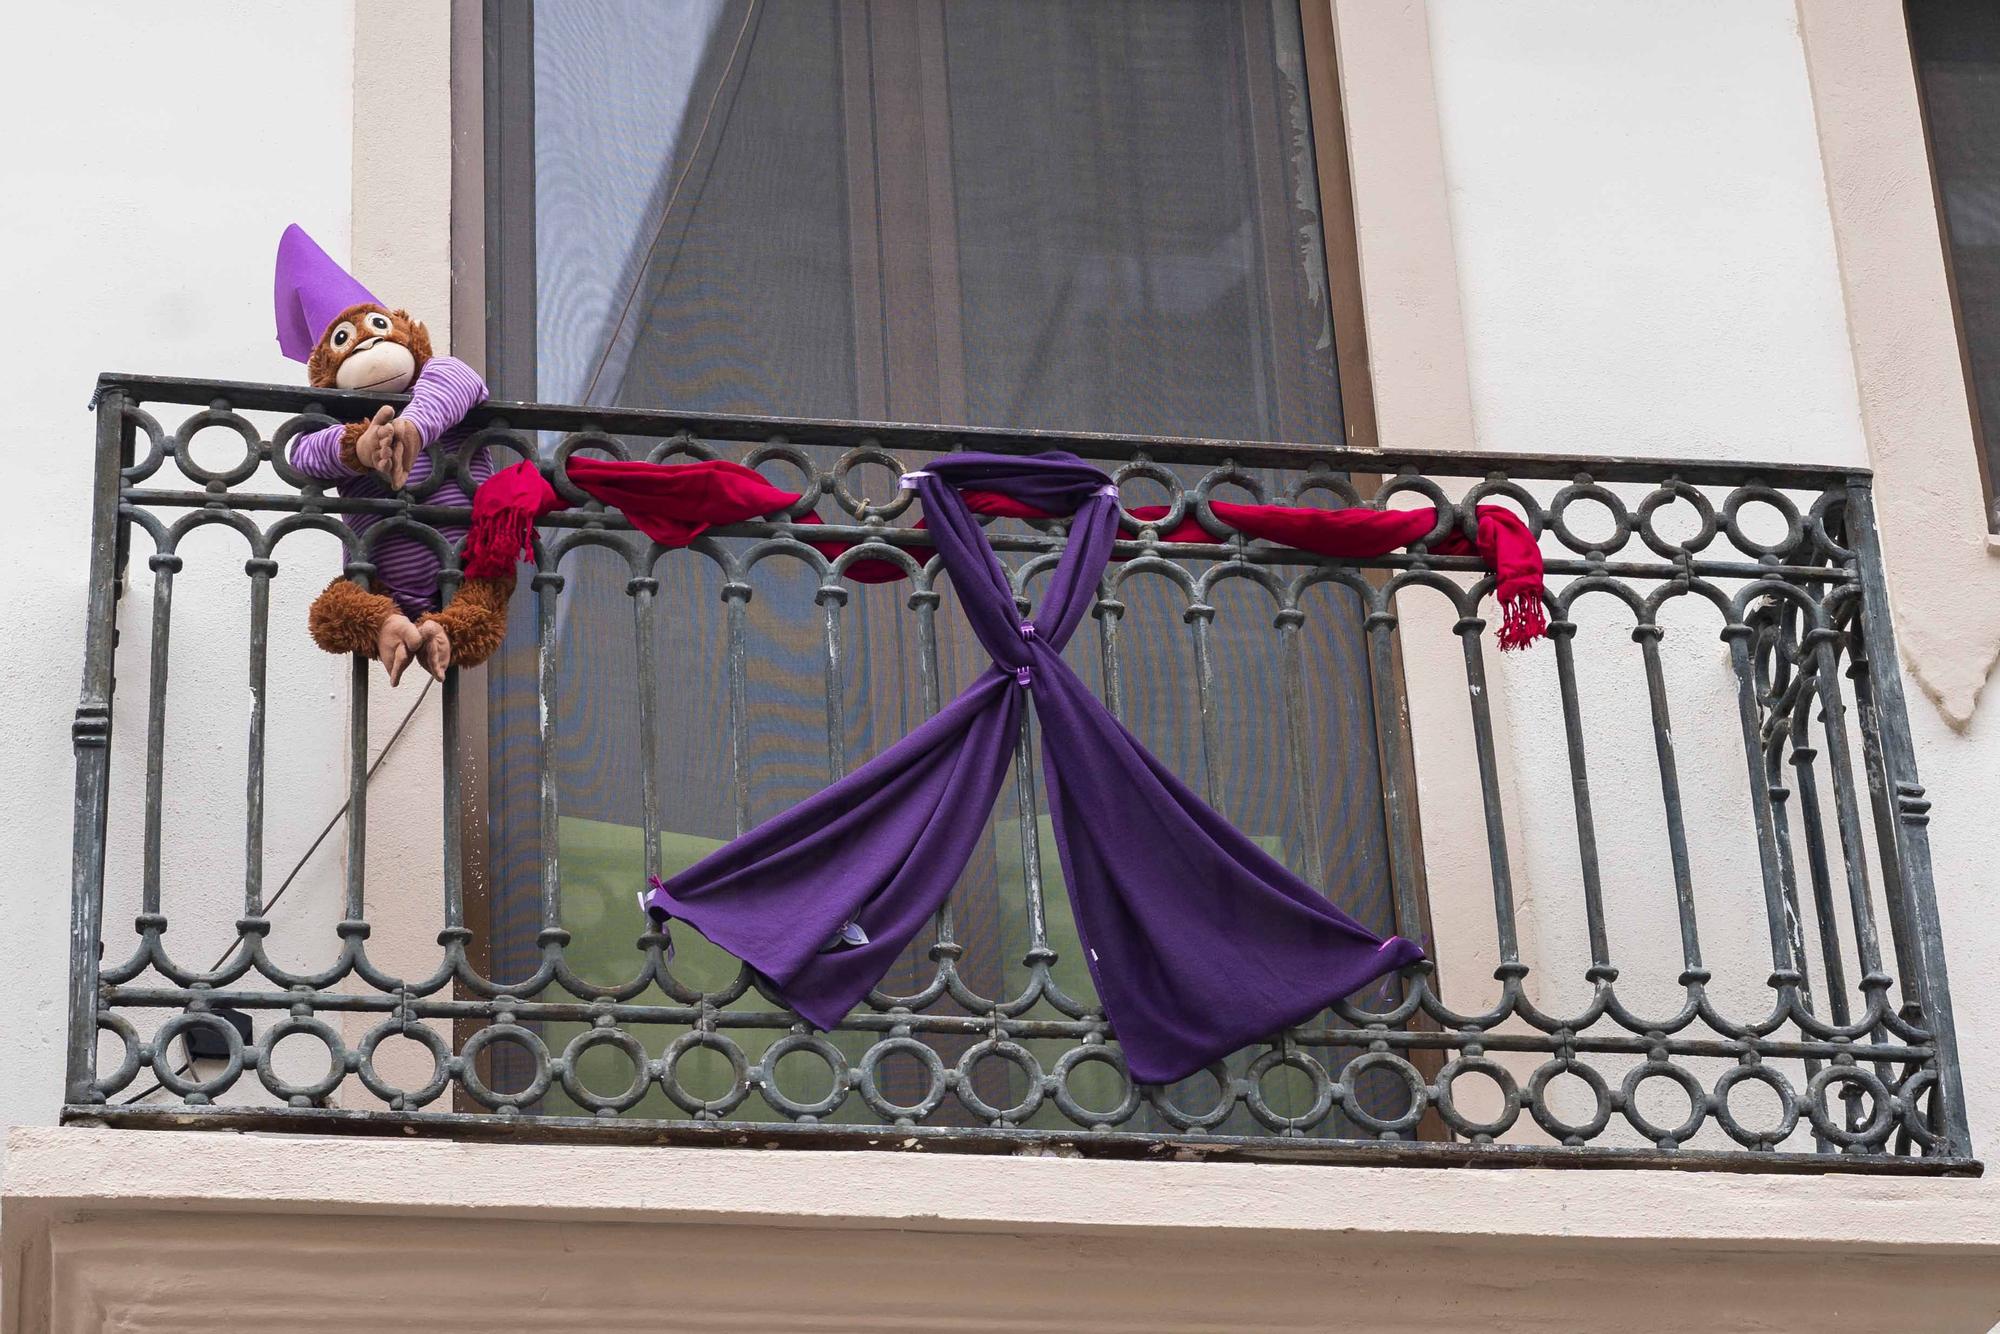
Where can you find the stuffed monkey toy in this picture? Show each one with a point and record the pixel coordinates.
(349, 340)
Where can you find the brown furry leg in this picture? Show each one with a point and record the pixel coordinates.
(347, 618)
(476, 620)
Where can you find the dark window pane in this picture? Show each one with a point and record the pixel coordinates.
(1957, 48)
(1040, 213)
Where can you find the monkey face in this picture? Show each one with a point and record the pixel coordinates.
(368, 347)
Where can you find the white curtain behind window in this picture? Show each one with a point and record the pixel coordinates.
(614, 84)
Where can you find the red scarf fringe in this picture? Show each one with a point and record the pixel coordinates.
(1523, 621)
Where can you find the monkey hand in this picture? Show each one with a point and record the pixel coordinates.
(407, 445)
(397, 644)
(389, 445)
(435, 650)
(375, 447)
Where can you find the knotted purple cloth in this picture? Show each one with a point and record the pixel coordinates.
(1199, 941)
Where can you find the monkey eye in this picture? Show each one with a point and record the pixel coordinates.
(343, 334)
(378, 323)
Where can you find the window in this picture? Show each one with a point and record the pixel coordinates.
(1029, 214)
(1956, 44)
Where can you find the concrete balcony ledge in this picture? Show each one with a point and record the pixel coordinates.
(152, 1232)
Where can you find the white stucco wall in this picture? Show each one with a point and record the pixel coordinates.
(154, 155)
(1646, 264)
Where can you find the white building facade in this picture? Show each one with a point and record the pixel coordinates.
(1705, 231)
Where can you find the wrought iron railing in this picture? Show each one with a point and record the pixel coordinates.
(1816, 1046)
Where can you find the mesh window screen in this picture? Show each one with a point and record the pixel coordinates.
(1029, 213)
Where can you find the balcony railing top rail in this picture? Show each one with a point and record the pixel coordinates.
(350, 405)
(1782, 991)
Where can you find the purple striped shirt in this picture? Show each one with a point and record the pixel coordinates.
(406, 569)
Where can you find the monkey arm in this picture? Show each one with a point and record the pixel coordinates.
(347, 618)
(446, 389)
(329, 453)
(350, 446)
(476, 620)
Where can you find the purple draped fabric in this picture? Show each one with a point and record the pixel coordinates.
(1198, 940)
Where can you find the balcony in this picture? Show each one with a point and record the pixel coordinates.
(1716, 946)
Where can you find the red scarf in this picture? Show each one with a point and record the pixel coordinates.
(1503, 543)
(675, 503)
(672, 504)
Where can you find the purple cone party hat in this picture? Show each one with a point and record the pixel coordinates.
(308, 291)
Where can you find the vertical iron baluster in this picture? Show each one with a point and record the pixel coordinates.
(452, 791)
(1847, 812)
(1806, 782)
(454, 807)
(1562, 634)
(1860, 672)
(1109, 612)
(260, 569)
(90, 738)
(1896, 782)
(1670, 795)
(1291, 670)
(832, 598)
(1781, 826)
(1901, 930)
(1847, 820)
(1380, 627)
(644, 592)
(1199, 616)
(1788, 880)
(357, 788)
(164, 565)
(1832, 966)
(1900, 927)
(924, 602)
(1031, 844)
(548, 588)
(1739, 637)
(735, 600)
(1468, 629)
